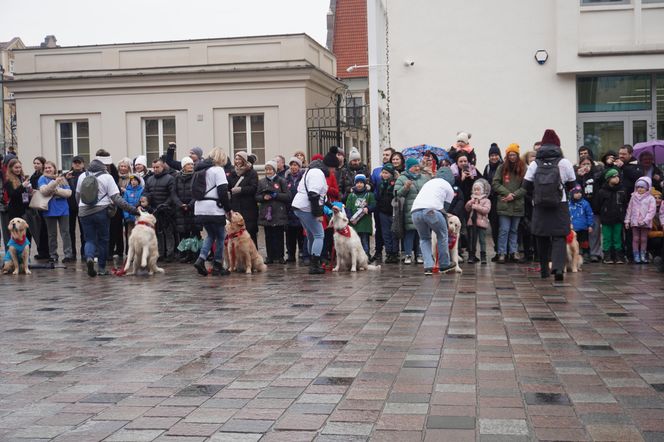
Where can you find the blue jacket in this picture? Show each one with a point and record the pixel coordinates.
(376, 179)
(133, 196)
(57, 206)
(581, 214)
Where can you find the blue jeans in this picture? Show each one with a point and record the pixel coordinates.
(391, 246)
(215, 234)
(364, 239)
(408, 242)
(314, 228)
(96, 228)
(508, 234)
(425, 221)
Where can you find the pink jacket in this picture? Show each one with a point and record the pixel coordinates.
(642, 208)
(482, 209)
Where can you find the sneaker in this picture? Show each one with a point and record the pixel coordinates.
(419, 259)
(408, 260)
(644, 258)
(103, 272)
(620, 259)
(447, 268)
(501, 259)
(608, 259)
(594, 259)
(483, 259)
(91, 268)
(428, 271)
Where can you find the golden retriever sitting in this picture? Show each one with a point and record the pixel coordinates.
(18, 248)
(347, 245)
(240, 250)
(143, 250)
(574, 258)
(453, 233)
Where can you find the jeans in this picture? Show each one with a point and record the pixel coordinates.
(215, 235)
(391, 244)
(408, 242)
(52, 224)
(364, 239)
(425, 221)
(314, 230)
(96, 228)
(508, 233)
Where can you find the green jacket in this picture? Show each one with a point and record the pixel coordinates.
(409, 195)
(356, 201)
(503, 188)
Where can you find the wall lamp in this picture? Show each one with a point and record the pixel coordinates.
(368, 66)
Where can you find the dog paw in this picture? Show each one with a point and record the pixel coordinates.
(336, 269)
(15, 272)
(353, 269)
(248, 271)
(159, 270)
(458, 269)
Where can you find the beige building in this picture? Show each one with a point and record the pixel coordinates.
(8, 137)
(249, 93)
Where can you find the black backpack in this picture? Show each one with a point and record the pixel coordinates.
(199, 188)
(548, 188)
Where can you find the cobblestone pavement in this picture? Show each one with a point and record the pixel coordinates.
(492, 355)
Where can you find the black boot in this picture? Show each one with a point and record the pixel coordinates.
(314, 267)
(199, 265)
(483, 257)
(219, 270)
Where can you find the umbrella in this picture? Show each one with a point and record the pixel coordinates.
(418, 151)
(656, 147)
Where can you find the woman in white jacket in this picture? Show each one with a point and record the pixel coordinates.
(308, 207)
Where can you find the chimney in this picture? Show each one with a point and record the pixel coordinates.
(49, 42)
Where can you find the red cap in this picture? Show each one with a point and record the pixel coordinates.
(550, 137)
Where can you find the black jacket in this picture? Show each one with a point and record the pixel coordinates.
(611, 204)
(184, 216)
(277, 208)
(244, 202)
(159, 189)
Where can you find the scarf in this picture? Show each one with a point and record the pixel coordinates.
(344, 232)
(412, 176)
(242, 170)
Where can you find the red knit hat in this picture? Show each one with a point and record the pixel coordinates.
(550, 137)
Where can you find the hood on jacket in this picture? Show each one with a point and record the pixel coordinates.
(97, 166)
(549, 152)
(446, 174)
(318, 164)
(486, 187)
(644, 180)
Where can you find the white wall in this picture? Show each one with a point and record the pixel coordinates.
(475, 71)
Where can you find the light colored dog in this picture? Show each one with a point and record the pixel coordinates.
(143, 250)
(574, 259)
(347, 245)
(454, 233)
(240, 250)
(18, 248)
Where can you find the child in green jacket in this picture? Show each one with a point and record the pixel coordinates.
(359, 205)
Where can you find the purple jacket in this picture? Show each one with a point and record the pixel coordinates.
(642, 208)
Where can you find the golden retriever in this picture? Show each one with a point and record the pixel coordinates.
(240, 250)
(18, 248)
(453, 232)
(347, 245)
(143, 250)
(574, 258)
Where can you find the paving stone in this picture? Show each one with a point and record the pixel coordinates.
(450, 422)
(134, 436)
(247, 425)
(503, 426)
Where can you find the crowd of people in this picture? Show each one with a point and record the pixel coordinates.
(613, 204)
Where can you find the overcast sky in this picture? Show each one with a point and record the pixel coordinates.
(84, 22)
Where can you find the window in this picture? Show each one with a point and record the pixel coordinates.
(652, 1)
(158, 133)
(249, 135)
(73, 139)
(12, 66)
(354, 111)
(615, 93)
(604, 2)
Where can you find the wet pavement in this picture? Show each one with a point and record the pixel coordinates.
(494, 354)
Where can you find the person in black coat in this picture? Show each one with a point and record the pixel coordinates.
(185, 221)
(495, 160)
(35, 219)
(77, 168)
(243, 184)
(159, 190)
(273, 199)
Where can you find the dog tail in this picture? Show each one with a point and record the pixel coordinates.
(373, 267)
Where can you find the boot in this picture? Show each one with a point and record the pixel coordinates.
(185, 257)
(637, 257)
(501, 259)
(620, 257)
(199, 265)
(219, 270)
(609, 257)
(315, 268)
(483, 257)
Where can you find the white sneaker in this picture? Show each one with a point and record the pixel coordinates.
(408, 260)
(419, 259)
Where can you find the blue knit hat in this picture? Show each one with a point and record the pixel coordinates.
(360, 177)
(410, 162)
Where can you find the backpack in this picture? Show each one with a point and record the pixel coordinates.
(199, 185)
(548, 189)
(90, 189)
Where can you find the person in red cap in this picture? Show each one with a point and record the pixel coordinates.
(547, 178)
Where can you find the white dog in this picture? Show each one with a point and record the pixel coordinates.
(347, 245)
(453, 232)
(143, 249)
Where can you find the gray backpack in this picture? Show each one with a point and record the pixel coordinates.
(90, 189)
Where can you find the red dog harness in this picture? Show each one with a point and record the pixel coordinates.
(145, 223)
(232, 236)
(344, 232)
(570, 237)
(451, 241)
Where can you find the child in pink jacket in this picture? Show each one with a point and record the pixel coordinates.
(478, 208)
(640, 213)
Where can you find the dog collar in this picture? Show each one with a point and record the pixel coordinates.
(145, 223)
(233, 235)
(344, 232)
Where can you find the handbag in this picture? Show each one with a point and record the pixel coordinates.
(314, 199)
(398, 220)
(39, 201)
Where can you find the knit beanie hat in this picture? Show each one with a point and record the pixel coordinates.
(272, 164)
(354, 154)
(252, 158)
(242, 154)
(389, 168)
(610, 173)
(410, 162)
(495, 150)
(330, 159)
(656, 193)
(512, 148)
(360, 177)
(141, 159)
(295, 160)
(576, 189)
(642, 182)
(463, 137)
(197, 151)
(185, 161)
(550, 137)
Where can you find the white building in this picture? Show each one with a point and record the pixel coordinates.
(457, 65)
(247, 93)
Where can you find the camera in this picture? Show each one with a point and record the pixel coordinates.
(409, 63)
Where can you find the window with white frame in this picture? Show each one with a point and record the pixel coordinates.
(248, 134)
(157, 133)
(73, 140)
